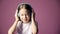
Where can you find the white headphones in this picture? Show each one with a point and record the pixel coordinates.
(18, 14)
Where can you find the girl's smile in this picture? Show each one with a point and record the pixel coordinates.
(24, 16)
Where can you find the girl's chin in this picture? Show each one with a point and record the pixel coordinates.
(25, 21)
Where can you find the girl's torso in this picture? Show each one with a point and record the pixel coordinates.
(24, 28)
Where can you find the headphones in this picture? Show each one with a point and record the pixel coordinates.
(18, 14)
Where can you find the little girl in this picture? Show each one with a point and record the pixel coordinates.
(24, 20)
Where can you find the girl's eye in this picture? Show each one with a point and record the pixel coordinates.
(24, 14)
(21, 14)
(27, 14)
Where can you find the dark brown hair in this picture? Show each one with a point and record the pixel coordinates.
(26, 6)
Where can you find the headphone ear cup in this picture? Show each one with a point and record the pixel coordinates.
(18, 15)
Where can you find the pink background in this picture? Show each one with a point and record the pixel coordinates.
(47, 15)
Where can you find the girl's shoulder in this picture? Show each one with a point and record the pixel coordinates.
(19, 23)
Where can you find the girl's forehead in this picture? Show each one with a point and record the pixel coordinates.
(23, 11)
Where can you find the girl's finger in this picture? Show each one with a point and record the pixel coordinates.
(16, 12)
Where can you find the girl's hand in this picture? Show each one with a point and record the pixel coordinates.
(33, 26)
(16, 17)
(33, 15)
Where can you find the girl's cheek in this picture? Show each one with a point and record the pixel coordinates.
(21, 17)
(27, 16)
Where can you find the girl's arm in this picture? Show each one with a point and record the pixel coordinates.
(13, 27)
(34, 28)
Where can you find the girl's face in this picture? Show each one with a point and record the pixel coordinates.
(24, 16)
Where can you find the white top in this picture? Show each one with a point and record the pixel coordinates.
(24, 28)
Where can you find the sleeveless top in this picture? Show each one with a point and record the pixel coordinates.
(24, 28)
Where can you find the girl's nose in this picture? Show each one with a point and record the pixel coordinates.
(25, 16)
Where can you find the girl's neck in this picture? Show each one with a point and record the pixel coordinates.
(26, 22)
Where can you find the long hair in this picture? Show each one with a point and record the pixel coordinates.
(26, 6)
